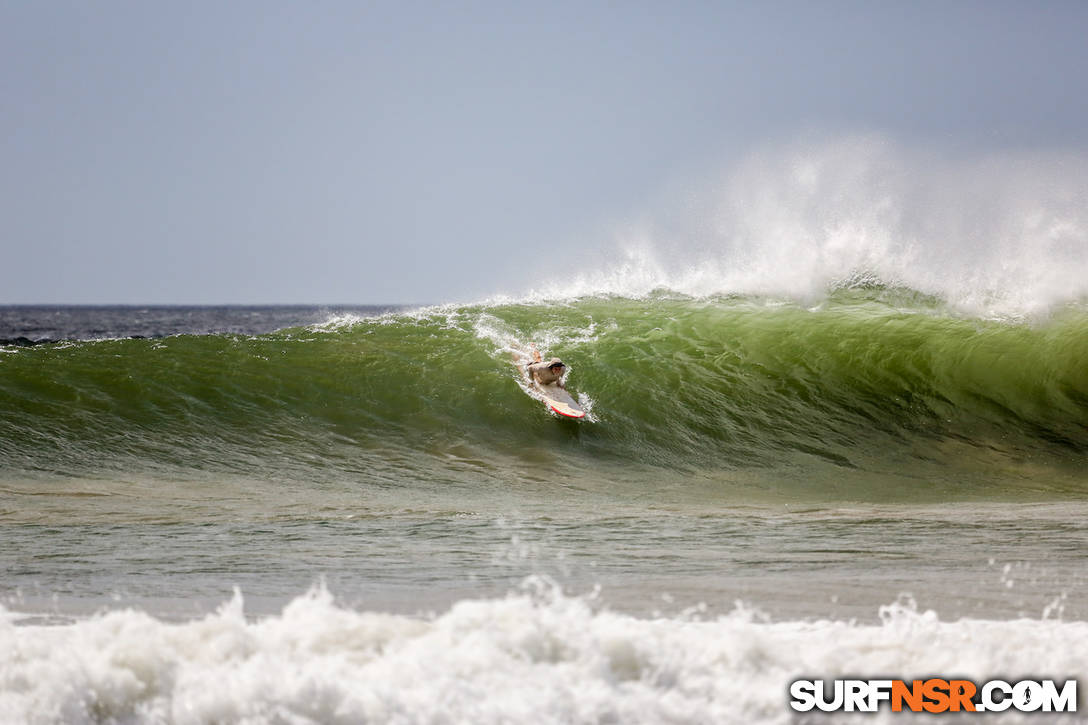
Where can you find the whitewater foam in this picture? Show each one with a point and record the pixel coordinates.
(996, 236)
(534, 656)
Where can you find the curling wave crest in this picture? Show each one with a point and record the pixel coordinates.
(1000, 235)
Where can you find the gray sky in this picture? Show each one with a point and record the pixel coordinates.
(366, 152)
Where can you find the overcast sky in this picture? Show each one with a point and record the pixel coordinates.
(369, 152)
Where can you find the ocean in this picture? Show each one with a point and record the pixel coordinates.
(361, 515)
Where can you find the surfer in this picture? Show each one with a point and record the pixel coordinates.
(546, 373)
(546, 384)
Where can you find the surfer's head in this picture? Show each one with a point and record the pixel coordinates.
(547, 373)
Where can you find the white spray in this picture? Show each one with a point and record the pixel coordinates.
(998, 235)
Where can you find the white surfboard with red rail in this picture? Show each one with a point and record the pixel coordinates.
(559, 400)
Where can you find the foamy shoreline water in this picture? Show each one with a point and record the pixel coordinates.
(534, 656)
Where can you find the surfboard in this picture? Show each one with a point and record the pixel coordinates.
(559, 400)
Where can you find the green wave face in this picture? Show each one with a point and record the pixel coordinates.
(873, 394)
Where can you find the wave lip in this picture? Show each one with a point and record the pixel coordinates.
(534, 656)
(997, 236)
